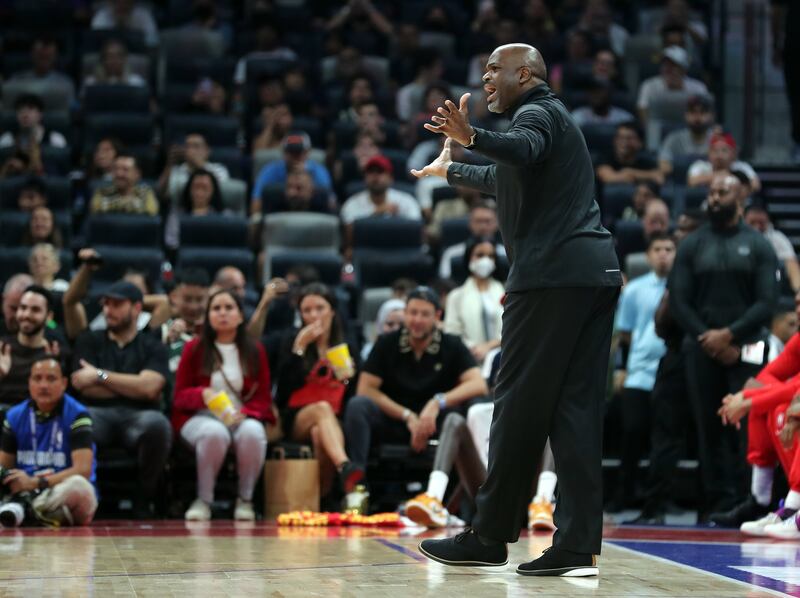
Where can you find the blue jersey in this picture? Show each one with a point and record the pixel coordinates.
(45, 445)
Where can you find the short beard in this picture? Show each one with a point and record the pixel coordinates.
(34, 332)
(494, 108)
(123, 326)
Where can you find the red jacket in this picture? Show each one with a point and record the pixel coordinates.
(780, 378)
(190, 382)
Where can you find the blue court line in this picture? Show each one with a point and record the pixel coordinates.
(214, 572)
(410, 553)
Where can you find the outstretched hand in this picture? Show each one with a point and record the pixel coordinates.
(439, 165)
(453, 121)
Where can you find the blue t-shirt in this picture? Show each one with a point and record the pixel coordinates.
(274, 173)
(636, 314)
(49, 447)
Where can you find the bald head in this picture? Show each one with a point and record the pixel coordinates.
(512, 70)
(723, 200)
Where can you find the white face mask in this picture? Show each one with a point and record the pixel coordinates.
(482, 267)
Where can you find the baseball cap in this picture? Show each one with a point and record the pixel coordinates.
(425, 294)
(699, 101)
(297, 142)
(725, 138)
(677, 55)
(379, 162)
(122, 289)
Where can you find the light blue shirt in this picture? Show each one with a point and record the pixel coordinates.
(636, 314)
(274, 173)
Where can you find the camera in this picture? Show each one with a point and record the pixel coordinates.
(14, 508)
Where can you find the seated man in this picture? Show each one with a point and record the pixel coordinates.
(722, 157)
(19, 352)
(600, 109)
(691, 141)
(120, 374)
(757, 217)
(299, 196)
(126, 194)
(47, 445)
(627, 163)
(410, 378)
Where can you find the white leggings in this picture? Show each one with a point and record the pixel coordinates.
(76, 493)
(211, 439)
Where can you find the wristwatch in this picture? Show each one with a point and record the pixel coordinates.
(441, 398)
(42, 484)
(299, 352)
(102, 375)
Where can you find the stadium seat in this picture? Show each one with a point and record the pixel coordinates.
(454, 231)
(695, 196)
(118, 259)
(104, 99)
(130, 129)
(381, 268)
(14, 224)
(54, 95)
(59, 192)
(138, 64)
(329, 265)
(94, 39)
(636, 265)
(297, 232)
(181, 44)
(129, 230)
(599, 137)
(217, 130)
(368, 306)
(444, 192)
(232, 158)
(234, 196)
(214, 230)
(14, 260)
(616, 197)
(630, 238)
(392, 234)
(211, 259)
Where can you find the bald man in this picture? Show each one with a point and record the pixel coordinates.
(722, 292)
(562, 291)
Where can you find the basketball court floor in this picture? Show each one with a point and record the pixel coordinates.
(223, 558)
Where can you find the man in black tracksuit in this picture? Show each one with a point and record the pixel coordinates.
(562, 290)
(722, 288)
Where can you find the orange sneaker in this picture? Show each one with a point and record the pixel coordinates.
(426, 510)
(540, 515)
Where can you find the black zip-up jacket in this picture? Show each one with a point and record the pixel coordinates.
(544, 183)
(724, 278)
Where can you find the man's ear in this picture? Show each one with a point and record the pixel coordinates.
(525, 75)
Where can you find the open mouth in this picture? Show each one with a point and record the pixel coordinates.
(491, 93)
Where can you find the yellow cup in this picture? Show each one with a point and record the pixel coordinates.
(222, 407)
(341, 361)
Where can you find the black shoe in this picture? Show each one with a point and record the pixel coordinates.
(143, 509)
(349, 476)
(749, 510)
(556, 562)
(465, 550)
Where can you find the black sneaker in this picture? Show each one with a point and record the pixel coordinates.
(556, 562)
(749, 510)
(465, 550)
(349, 476)
(648, 517)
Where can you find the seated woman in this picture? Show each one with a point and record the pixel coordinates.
(223, 359)
(102, 160)
(43, 264)
(391, 317)
(42, 228)
(201, 197)
(474, 311)
(311, 391)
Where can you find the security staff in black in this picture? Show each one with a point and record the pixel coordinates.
(562, 290)
(722, 292)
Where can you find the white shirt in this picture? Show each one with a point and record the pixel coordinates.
(782, 246)
(585, 115)
(360, 206)
(233, 372)
(132, 79)
(140, 18)
(179, 176)
(655, 86)
(54, 139)
(704, 167)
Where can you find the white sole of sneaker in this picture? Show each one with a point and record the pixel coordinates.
(563, 572)
(543, 526)
(421, 517)
(459, 563)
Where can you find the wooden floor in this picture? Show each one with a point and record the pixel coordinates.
(227, 559)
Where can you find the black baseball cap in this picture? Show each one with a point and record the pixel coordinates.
(122, 289)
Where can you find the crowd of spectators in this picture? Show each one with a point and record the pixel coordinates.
(194, 211)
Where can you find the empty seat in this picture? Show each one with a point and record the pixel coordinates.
(181, 44)
(214, 230)
(599, 137)
(217, 130)
(454, 231)
(131, 129)
(302, 230)
(381, 268)
(616, 197)
(129, 230)
(636, 264)
(234, 196)
(328, 265)
(392, 234)
(211, 259)
(232, 158)
(118, 259)
(58, 189)
(102, 99)
(630, 238)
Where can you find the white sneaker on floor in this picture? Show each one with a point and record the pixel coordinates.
(198, 511)
(244, 510)
(785, 530)
(757, 527)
